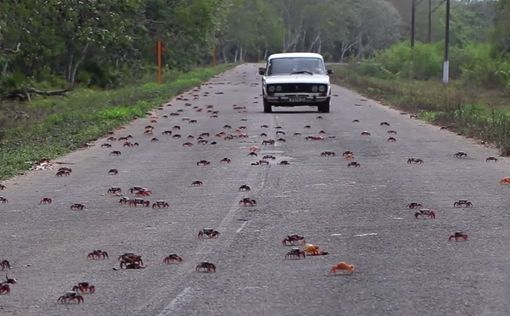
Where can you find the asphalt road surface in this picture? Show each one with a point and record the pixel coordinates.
(403, 265)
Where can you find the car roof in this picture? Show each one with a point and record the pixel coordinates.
(288, 55)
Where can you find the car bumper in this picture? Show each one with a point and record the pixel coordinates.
(296, 100)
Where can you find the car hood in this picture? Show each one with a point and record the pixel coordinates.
(299, 78)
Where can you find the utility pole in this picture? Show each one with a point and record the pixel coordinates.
(446, 64)
(413, 22)
(430, 22)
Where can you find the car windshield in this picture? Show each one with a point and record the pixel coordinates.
(296, 65)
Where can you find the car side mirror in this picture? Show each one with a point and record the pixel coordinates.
(330, 71)
(262, 71)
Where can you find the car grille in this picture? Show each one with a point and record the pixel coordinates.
(293, 88)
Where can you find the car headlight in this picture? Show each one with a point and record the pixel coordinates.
(271, 89)
(322, 88)
(278, 88)
(314, 88)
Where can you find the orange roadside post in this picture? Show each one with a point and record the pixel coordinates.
(159, 53)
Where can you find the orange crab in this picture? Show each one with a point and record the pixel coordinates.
(313, 250)
(342, 266)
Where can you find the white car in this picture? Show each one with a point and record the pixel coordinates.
(296, 79)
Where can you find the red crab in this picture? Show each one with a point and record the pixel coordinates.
(247, 202)
(208, 233)
(426, 213)
(292, 240)
(45, 200)
(295, 253)
(458, 235)
(173, 258)
(205, 267)
(97, 255)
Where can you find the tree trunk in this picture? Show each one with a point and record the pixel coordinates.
(78, 63)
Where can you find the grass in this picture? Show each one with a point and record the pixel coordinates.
(469, 111)
(50, 127)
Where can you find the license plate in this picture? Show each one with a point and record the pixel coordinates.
(297, 99)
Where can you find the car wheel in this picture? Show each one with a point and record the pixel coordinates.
(324, 106)
(267, 107)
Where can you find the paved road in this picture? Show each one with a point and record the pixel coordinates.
(404, 266)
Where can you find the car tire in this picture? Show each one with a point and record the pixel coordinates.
(267, 107)
(324, 106)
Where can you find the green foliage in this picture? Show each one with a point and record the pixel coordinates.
(57, 126)
(461, 108)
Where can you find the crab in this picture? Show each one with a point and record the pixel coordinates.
(342, 266)
(70, 296)
(314, 138)
(160, 204)
(505, 180)
(313, 250)
(348, 154)
(295, 253)
(392, 132)
(166, 132)
(203, 142)
(204, 134)
(45, 200)
(416, 161)
(227, 127)
(4, 288)
(226, 160)
(460, 154)
(77, 206)
(196, 183)
(97, 255)
(458, 235)
(84, 288)
(115, 191)
(143, 192)
(384, 124)
(281, 140)
(252, 154)
(244, 188)
(328, 154)
(205, 267)
(129, 260)
(136, 202)
(269, 157)
(292, 240)
(203, 163)
(4, 264)
(284, 163)
(9, 280)
(268, 142)
(280, 133)
(307, 126)
(154, 140)
(208, 233)
(491, 158)
(63, 173)
(2, 187)
(391, 139)
(297, 134)
(187, 144)
(260, 163)
(3, 200)
(113, 172)
(355, 121)
(176, 136)
(462, 203)
(353, 164)
(365, 133)
(115, 153)
(173, 258)
(106, 145)
(426, 213)
(264, 126)
(247, 202)
(414, 205)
